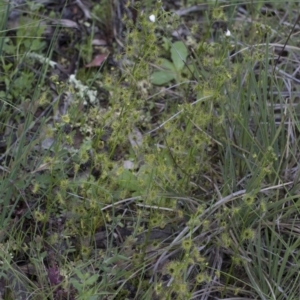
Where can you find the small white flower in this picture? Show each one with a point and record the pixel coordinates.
(152, 18)
(228, 33)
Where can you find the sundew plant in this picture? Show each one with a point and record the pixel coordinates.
(149, 150)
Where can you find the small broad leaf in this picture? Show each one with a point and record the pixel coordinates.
(179, 53)
(166, 64)
(92, 279)
(162, 77)
(166, 44)
(128, 181)
(116, 258)
(76, 285)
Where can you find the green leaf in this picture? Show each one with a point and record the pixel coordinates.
(7, 67)
(166, 44)
(179, 53)
(78, 286)
(162, 77)
(9, 48)
(116, 258)
(128, 181)
(188, 70)
(81, 276)
(44, 179)
(92, 279)
(166, 64)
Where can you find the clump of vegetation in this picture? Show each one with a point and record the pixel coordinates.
(148, 158)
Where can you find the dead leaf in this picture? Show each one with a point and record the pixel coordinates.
(85, 10)
(99, 42)
(128, 165)
(42, 167)
(97, 61)
(66, 23)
